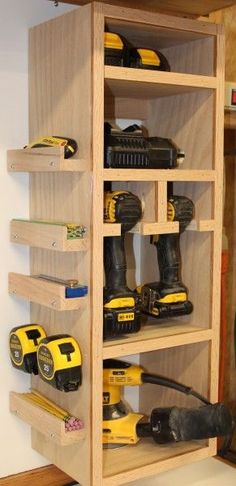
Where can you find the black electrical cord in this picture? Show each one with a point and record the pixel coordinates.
(159, 380)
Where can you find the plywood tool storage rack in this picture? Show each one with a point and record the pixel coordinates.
(70, 91)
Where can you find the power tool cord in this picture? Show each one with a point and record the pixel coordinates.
(159, 380)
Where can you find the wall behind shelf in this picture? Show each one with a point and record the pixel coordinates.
(15, 20)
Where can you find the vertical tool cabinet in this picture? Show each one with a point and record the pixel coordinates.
(71, 92)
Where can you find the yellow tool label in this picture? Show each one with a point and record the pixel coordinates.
(45, 362)
(155, 311)
(149, 57)
(112, 41)
(170, 211)
(16, 350)
(173, 298)
(126, 316)
(52, 141)
(120, 302)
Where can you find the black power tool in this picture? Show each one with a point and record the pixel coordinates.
(169, 296)
(121, 311)
(170, 424)
(130, 149)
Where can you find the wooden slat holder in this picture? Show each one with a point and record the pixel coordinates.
(47, 424)
(48, 159)
(42, 292)
(45, 235)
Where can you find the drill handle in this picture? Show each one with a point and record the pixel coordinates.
(115, 262)
(169, 259)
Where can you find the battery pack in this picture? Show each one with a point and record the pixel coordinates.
(115, 49)
(147, 59)
(121, 321)
(129, 149)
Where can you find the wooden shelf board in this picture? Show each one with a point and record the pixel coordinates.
(147, 458)
(201, 225)
(111, 229)
(45, 235)
(134, 83)
(42, 292)
(159, 175)
(196, 8)
(146, 228)
(153, 228)
(46, 423)
(47, 159)
(155, 335)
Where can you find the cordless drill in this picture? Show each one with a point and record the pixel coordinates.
(166, 424)
(121, 311)
(169, 296)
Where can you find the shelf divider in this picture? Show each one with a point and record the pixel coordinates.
(135, 83)
(156, 336)
(147, 459)
(180, 175)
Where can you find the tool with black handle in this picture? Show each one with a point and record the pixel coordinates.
(131, 149)
(121, 312)
(169, 297)
(121, 426)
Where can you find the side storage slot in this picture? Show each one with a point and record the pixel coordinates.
(51, 236)
(48, 159)
(47, 424)
(43, 292)
(147, 458)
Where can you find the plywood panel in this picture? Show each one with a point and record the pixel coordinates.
(62, 105)
(199, 7)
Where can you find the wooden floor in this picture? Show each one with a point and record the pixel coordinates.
(44, 476)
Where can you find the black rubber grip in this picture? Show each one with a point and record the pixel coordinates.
(115, 263)
(201, 423)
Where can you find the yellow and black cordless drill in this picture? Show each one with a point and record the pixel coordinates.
(169, 296)
(121, 310)
(121, 426)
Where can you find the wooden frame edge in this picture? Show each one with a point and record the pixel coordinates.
(46, 476)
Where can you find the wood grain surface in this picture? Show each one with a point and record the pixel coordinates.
(45, 476)
(199, 7)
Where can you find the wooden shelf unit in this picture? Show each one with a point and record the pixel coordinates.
(185, 105)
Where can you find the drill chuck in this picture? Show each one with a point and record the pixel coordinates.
(122, 207)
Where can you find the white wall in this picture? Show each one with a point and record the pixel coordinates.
(16, 16)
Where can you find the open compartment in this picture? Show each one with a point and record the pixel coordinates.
(188, 365)
(185, 118)
(183, 49)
